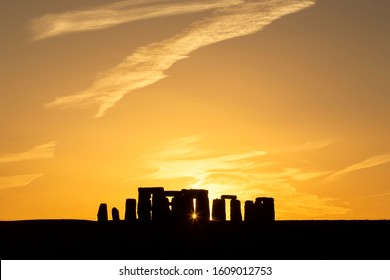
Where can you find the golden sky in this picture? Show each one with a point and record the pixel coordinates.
(281, 98)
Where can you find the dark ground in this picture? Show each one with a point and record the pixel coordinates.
(295, 240)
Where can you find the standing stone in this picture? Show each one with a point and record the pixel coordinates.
(260, 209)
(269, 209)
(202, 205)
(115, 214)
(102, 213)
(145, 206)
(219, 210)
(160, 207)
(249, 211)
(235, 210)
(130, 212)
(264, 209)
(188, 208)
(178, 208)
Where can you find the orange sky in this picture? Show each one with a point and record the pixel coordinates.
(281, 98)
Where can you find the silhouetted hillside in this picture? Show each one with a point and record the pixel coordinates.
(78, 239)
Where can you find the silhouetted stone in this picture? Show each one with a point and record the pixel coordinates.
(235, 210)
(219, 210)
(172, 193)
(144, 202)
(130, 212)
(264, 209)
(183, 206)
(183, 209)
(202, 205)
(172, 205)
(102, 214)
(178, 213)
(270, 208)
(160, 207)
(144, 206)
(188, 207)
(226, 196)
(235, 207)
(189, 204)
(115, 214)
(249, 215)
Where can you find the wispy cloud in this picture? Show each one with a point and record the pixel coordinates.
(147, 64)
(17, 180)
(118, 13)
(368, 163)
(376, 195)
(304, 176)
(39, 152)
(247, 174)
(201, 168)
(306, 147)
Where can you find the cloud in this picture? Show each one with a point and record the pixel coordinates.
(309, 146)
(248, 175)
(308, 175)
(118, 13)
(147, 64)
(368, 163)
(376, 195)
(17, 180)
(39, 152)
(181, 158)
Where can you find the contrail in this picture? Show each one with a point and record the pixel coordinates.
(147, 64)
(17, 180)
(368, 163)
(44, 151)
(118, 13)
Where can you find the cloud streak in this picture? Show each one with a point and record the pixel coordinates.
(118, 13)
(368, 163)
(247, 174)
(147, 64)
(44, 151)
(17, 180)
(307, 147)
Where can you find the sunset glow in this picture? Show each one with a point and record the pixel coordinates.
(281, 98)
